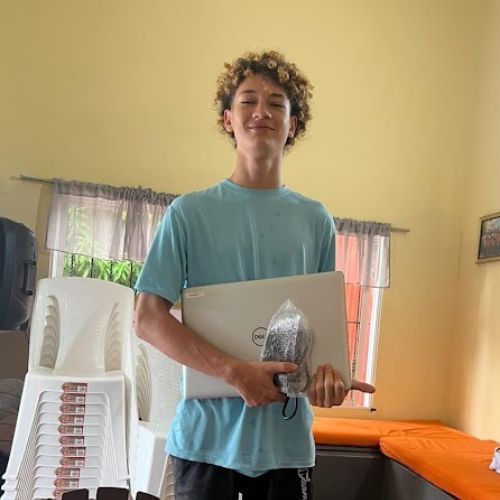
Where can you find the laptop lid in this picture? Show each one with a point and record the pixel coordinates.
(234, 317)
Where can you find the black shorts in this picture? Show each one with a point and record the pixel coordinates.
(200, 481)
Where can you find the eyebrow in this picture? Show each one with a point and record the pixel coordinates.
(274, 94)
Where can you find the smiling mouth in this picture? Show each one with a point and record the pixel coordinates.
(261, 128)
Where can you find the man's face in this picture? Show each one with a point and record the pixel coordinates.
(260, 117)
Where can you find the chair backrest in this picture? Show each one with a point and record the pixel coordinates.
(93, 315)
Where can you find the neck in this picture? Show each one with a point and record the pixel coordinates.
(257, 173)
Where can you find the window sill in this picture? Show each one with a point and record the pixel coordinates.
(342, 412)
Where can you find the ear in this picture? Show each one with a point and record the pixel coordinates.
(293, 126)
(228, 120)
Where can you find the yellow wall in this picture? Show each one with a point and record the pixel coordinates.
(474, 402)
(120, 92)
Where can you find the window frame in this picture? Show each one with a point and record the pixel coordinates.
(368, 320)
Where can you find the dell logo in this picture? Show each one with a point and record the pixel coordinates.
(259, 336)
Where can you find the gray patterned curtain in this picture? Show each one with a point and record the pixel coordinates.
(104, 222)
(362, 252)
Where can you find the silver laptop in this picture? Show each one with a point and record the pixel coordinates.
(234, 318)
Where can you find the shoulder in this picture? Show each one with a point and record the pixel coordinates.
(195, 199)
(314, 207)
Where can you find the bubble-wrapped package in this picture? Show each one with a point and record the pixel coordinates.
(289, 338)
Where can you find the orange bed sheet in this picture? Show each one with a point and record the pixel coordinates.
(459, 466)
(368, 433)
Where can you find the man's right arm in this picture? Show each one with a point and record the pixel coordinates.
(253, 380)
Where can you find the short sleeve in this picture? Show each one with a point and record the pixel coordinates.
(164, 271)
(327, 260)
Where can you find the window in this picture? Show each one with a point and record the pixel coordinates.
(362, 254)
(101, 231)
(123, 272)
(363, 306)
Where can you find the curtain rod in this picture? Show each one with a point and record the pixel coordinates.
(28, 178)
(38, 180)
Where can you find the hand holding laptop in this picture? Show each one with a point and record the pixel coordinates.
(253, 380)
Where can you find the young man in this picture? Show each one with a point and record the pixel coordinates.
(247, 227)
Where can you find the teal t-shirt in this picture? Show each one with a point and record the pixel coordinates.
(224, 234)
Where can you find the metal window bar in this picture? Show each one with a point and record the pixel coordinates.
(357, 328)
(93, 266)
(357, 334)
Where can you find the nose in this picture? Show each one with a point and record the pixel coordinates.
(261, 110)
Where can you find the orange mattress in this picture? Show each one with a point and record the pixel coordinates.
(459, 466)
(368, 433)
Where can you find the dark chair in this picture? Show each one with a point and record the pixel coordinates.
(76, 495)
(106, 494)
(112, 494)
(145, 496)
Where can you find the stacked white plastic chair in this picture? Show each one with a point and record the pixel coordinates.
(72, 424)
(154, 398)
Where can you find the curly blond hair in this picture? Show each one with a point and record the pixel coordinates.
(273, 65)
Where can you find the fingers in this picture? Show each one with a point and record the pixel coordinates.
(311, 392)
(255, 382)
(319, 392)
(320, 387)
(261, 400)
(339, 391)
(280, 367)
(356, 385)
(327, 387)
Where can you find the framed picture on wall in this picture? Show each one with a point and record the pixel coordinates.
(489, 239)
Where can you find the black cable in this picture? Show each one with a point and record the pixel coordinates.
(285, 405)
